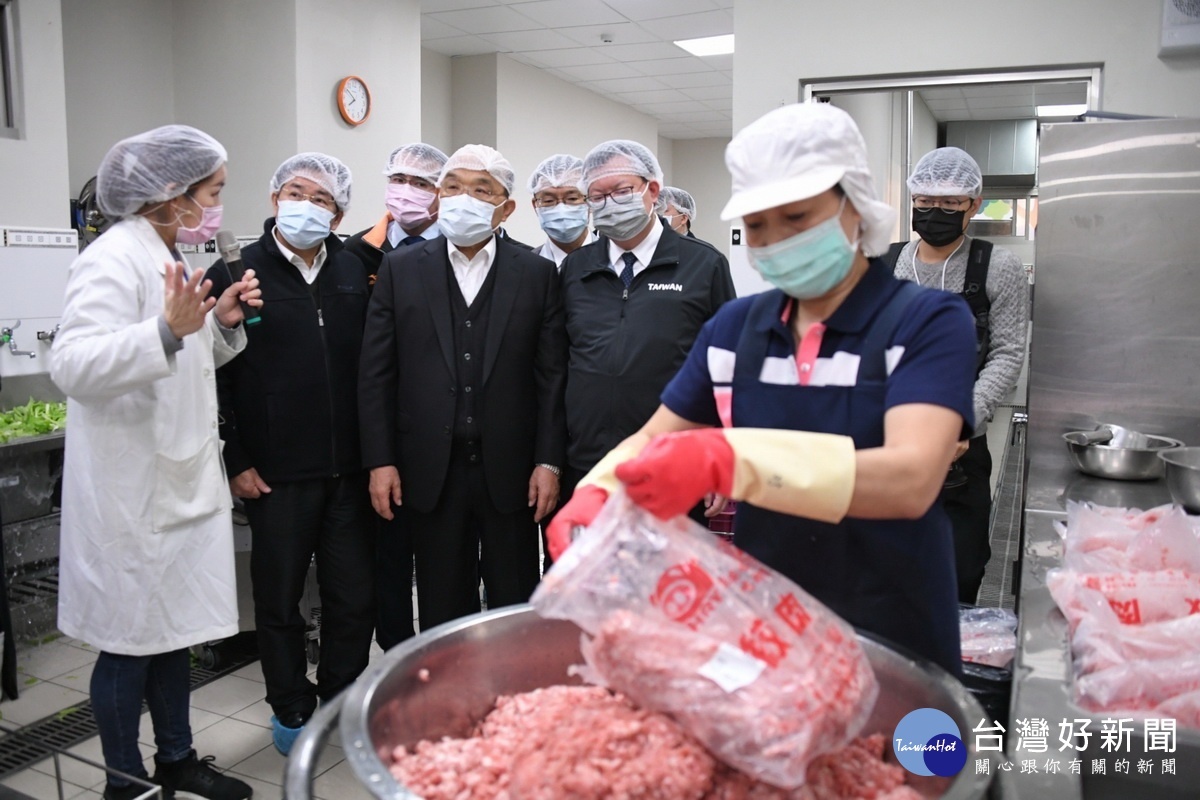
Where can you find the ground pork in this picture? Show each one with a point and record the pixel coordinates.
(587, 743)
(771, 727)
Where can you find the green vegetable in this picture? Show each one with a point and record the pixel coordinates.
(32, 419)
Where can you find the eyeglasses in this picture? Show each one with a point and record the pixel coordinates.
(950, 205)
(452, 188)
(549, 200)
(414, 181)
(320, 199)
(622, 196)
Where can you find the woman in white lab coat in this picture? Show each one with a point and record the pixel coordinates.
(146, 564)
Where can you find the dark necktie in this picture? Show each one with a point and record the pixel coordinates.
(407, 240)
(627, 274)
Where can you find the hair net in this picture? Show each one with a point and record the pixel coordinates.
(557, 172)
(681, 200)
(484, 159)
(326, 171)
(945, 172)
(417, 159)
(620, 157)
(155, 166)
(798, 151)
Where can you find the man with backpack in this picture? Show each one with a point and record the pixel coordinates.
(946, 187)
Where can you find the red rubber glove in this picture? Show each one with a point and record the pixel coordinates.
(676, 470)
(582, 509)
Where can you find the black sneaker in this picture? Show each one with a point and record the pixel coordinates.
(132, 791)
(197, 778)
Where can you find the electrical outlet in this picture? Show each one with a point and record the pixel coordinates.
(735, 236)
(40, 237)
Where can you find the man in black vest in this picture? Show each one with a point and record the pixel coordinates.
(289, 419)
(946, 187)
(461, 396)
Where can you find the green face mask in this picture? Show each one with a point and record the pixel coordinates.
(810, 263)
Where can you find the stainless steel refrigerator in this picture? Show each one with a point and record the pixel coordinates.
(1116, 338)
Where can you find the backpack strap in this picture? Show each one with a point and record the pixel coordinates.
(872, 365)
(975, 293)
(892, 255)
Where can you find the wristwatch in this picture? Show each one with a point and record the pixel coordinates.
(551, 468)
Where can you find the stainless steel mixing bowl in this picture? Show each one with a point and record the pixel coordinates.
(442, 682)
(1183, 476)
(1128, 456)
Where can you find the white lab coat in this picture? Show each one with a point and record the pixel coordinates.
(146, 562)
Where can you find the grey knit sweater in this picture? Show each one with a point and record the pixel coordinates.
(1008, 290)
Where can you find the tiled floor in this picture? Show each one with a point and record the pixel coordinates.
(230, 720)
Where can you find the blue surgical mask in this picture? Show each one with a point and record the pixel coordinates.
(564, 223)
(466, 220)
(810, 263)
(303, 224)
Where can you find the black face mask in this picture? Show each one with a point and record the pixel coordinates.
(937, 227)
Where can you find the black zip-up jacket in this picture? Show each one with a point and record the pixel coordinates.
(289, 401)
(626, 345)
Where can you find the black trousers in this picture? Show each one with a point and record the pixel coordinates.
(463, 539)
(393, 581)
(331, 519)
(970, 510)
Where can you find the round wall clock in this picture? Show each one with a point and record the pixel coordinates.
(354, 100)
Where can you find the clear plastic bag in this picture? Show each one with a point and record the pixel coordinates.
(988, 635)
(685, 624)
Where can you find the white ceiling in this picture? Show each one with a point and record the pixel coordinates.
(691, 97)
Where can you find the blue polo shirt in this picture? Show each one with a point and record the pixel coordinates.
(924, 360)
(894, 577)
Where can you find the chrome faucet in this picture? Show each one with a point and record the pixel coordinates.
(6, 337)
(48, 336)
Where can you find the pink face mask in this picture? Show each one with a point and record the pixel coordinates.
(210, 223)
(409, 205)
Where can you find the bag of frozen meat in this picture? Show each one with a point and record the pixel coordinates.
(764, 675)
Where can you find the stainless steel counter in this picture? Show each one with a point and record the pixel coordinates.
(1042, 666)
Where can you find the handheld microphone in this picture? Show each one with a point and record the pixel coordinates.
(231, 254)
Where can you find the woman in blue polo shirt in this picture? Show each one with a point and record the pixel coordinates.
(830, 406)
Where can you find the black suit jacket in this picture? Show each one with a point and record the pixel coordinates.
(407, 378)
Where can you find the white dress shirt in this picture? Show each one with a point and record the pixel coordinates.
(552, 251)
(644, 251)
(472, 272)
(308, 273)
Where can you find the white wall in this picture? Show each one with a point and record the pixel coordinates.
(436, 83)
(878, 116)
(34, 166)
(666, 158)
(700, 170)
(538, 115)
(117, 55)
(235, 78)
(792, 40)
(473, 101)
(329, 45)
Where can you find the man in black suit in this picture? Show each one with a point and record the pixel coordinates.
(461, 396)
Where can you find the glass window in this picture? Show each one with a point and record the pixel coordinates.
(1001, 216)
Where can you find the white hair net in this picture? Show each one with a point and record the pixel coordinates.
(484, 159)
(418, 159)
(325, 171)
(557, 172)
(681, 200)
(946, 172)
(155, 166)
(798, 151)
(620, 157)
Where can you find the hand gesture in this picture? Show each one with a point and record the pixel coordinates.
(185, 303)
